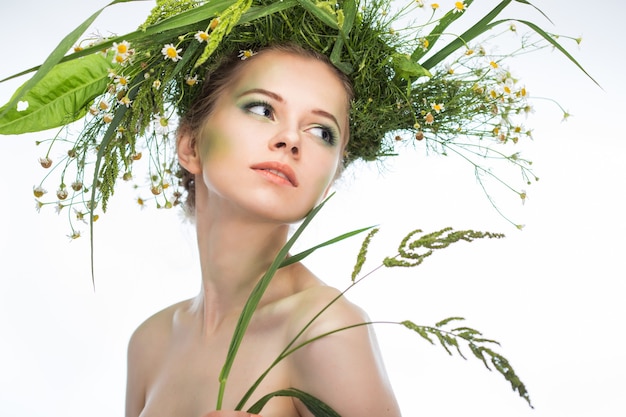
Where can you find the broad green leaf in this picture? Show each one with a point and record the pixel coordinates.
(317, 407)
(60, 97)
(55, 57)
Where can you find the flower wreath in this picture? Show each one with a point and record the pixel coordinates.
(128, 90)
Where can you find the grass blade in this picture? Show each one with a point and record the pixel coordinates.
(554, 43)
(255, 298)
(299, 256)
(437, 31)
(480, 27)
(315, 406)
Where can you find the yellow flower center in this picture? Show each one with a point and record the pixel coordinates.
(122, 48)
(171, 52)
(459, 5)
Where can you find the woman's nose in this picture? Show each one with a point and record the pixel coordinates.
(288, 140)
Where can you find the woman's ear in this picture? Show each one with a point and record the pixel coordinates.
(188, 156)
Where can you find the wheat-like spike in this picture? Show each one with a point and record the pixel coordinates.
(360, 259)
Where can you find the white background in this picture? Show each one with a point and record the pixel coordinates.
(551, 294)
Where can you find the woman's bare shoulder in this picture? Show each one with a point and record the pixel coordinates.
(339, 345)
(155, 330)
(317, 297)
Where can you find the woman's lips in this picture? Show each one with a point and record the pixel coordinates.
(277, 172)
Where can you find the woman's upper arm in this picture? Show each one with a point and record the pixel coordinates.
(135, 375)
(345, 369)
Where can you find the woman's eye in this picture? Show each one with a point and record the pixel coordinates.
(324, 133)
(261, 109)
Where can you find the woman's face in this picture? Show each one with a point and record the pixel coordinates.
(273, 142)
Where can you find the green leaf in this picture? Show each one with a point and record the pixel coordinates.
(442, 340)
(478, 352)
(54, 58)
(349, 10)
(408, 69)
(60, 97)
(317, 407)
(300, 256)
(448, 320)
(256, 12)
(536, 8)
(437, 31)
(320, 13)
(421, 330)
(554, 43)
(480, 27)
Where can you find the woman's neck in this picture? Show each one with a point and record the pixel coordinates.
(235, 251)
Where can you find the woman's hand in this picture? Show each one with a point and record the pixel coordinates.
(223, 413)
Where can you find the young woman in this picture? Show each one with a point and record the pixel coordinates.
(262, 145)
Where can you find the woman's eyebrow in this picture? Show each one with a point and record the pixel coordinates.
(277, 97)
(264, 92)
(327, 115)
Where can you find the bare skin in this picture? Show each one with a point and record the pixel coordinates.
(242, 221)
